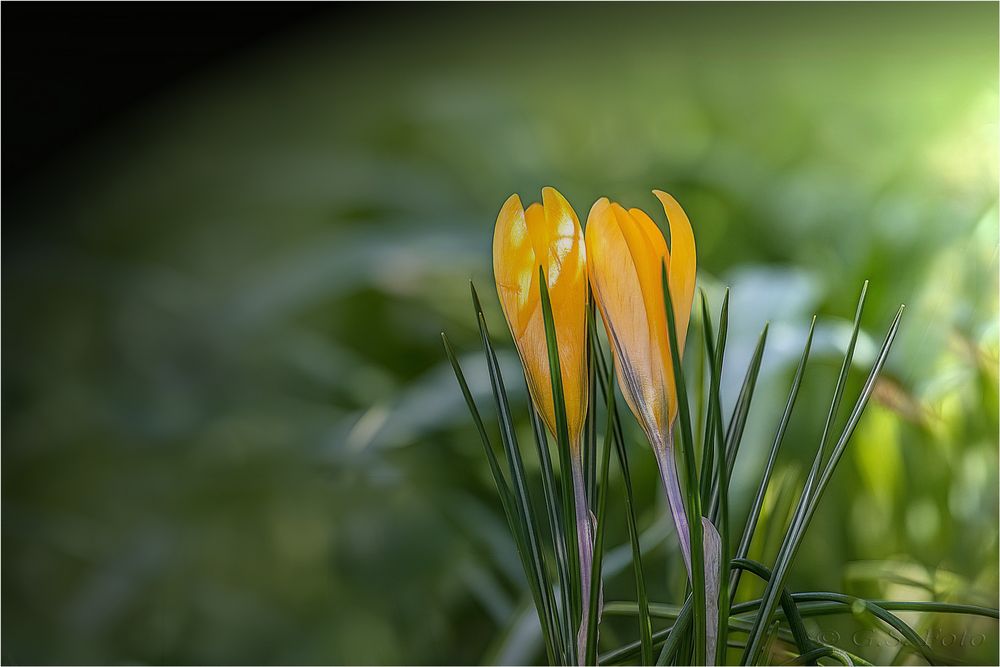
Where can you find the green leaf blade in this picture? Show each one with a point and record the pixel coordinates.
(535, 570)
(693, 505)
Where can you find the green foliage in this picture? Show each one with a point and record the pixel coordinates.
(607, 384)
(686, 448)
(574, 612)
(684, 642)
(602, 505)
(713, 438)
(230, 434)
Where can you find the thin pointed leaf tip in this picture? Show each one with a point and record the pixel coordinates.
(627, 251)
(545, 235)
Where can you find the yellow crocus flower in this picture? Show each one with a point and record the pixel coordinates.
(627, 253)
(547, 236)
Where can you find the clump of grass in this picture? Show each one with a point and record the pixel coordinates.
(764, 630)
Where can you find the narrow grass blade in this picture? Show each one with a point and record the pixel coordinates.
(758, 502)
(791, 612)
(738, 421)
(606, 378)
(693, 506)
(536, 572)
(708, 458)
(808, 605)
(715, 355)
(565, 455)
(681, 617)
(887, 617)
(632, 649)
(878, 609)
(502, 489)
(784, 557)
(704, 422)
(772, 633)
(855, 417)
(852, 422)
(671, 612)
(685, 653)
(678, 633)
(602, 506)
(506, 497)
(838, 393)
(562, 613)
(795, 534)
(645, 625)
(810, 657)
(590, 431)
(700, 402)
(656, 609)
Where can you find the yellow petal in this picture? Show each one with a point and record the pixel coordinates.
(682, 268)
(616, 280)
(547, 235)
(513, 257)
(648, 250)
(626, 254)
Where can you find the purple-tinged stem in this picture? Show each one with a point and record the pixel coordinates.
(663, 448)
(585, 542)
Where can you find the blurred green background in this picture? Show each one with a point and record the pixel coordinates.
(230, 433)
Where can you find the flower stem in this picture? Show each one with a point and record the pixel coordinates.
(585, 542)
(663, 449)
